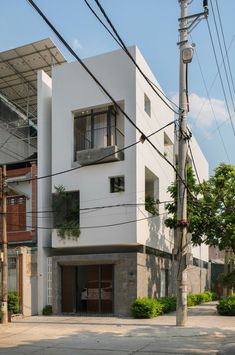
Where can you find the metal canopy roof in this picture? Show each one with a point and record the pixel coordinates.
(18, 72)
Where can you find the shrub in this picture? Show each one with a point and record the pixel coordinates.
(13, 302)
(146, 308)
(168, 304)
(199, 298)
(47, 310)
(226, 306)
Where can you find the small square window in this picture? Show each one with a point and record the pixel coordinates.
(117, 184)
(147, 105)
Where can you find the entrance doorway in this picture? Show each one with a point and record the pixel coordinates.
(87, 289)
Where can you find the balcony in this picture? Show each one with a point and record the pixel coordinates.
(100, 145)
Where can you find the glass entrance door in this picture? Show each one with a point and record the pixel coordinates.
(87, 289)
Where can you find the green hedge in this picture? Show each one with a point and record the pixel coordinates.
(153, 307)
(168, 304)
(13, 302)
(194, 300)
(226, 306)
(146, 308)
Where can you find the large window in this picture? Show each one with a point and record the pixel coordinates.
(96, 128)
(65, 207)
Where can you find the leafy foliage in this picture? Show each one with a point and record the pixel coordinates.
(151, 205)
(146, 308)
(47, 310)
(195, 299)
(153, 307)
(211, 219)
(226, 306)
(168, 304)
(228, 280)
(66, 216)
(13, 302)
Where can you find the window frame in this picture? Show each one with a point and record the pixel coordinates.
(121, 186)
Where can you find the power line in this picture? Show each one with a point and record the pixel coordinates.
(97, 82)
(105, 91)
(99, 160)
(94, 227)
(221, 51)
(212, 108)
(90, 208)
(125, 49)
(221, 81)
(224, 42)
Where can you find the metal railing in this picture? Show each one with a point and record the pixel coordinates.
(99, 138)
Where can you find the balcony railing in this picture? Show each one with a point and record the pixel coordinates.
(99, 138)
(99, 145)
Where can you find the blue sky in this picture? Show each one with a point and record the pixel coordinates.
(152, 25)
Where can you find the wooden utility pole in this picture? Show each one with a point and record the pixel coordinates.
(4, 294)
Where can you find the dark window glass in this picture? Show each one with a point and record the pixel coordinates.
(117, 184)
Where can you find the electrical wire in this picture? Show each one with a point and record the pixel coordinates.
(121, 43)
(98, 160)
(94, 227)
(221, 51)
(104, 90)
(98, 83)
(212, 108)
(221, 81)
(89, 208)
(226, 50)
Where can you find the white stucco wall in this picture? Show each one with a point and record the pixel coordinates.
(79, 91)
(44, 185)
(152, 232)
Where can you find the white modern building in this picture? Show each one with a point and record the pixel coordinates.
(124, 250)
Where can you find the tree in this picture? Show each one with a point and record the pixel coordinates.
(211, 214)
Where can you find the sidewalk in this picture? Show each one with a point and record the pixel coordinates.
(206, 333)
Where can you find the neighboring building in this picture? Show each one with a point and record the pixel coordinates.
(18, 141)
(123, 251)
(21, 233)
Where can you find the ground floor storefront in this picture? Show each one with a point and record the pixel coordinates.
(106, 283)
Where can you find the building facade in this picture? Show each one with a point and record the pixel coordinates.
(21, 233)
(124, 250)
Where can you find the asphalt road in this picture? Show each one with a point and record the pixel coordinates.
(206, 333)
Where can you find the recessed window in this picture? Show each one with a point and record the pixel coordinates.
(151, 192)
(147, 105)
(66, 207)
(117, 184)
(168, 148)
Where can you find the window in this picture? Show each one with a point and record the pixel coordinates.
(16, 209)
(168, 148)
(151, 192)
(147, 105)
(66, 207)
(97, 128)
(117, 184)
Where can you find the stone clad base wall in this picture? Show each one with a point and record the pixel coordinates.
(136, 274)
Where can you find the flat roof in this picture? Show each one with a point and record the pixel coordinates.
(18, 72)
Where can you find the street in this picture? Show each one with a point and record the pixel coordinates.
(206, 333)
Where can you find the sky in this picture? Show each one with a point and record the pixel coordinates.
(152, 25)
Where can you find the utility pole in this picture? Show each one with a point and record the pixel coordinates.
(4, 301)
(181, 288)
(187, 23)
